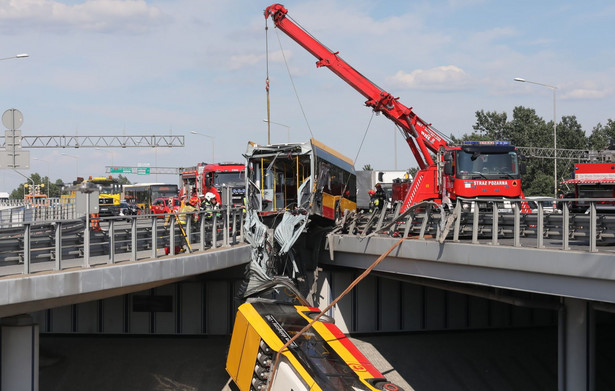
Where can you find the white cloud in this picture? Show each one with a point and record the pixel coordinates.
(244, 60)
(585, 93)
(493, 35)
(447, 77)
(585, 89)
(465, 3)
(93, 15)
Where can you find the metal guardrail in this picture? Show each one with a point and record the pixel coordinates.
(498, 225)
(14, 212)
(60, 244)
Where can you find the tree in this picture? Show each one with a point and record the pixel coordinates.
(601, 136)
(527, 129)
(540, 184)
(491, 124)
(54, 189)
(123, 180)
(367, 167)
(570, 135)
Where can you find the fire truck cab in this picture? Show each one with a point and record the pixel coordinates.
(211, 178)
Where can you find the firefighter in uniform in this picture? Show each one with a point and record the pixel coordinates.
(184, 213)
(380, 197)
(209, 205)
(372, 200)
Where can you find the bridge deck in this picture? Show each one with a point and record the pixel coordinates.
(572, 273)
(46, 288)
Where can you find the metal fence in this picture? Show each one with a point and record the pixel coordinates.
(562, 229)
(36, 246)
(15, 212)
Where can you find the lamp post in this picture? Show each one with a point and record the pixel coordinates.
(277, 123)
(76, 163)
(213, 144)
(552, 88)
(22, 55)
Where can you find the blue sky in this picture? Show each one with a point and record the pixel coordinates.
(109, 67)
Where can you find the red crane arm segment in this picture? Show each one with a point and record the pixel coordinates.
(421, 138)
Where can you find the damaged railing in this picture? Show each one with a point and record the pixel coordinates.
(60, 244)
(493, 224)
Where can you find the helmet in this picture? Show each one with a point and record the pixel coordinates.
(378, 186)
(210, 196)
(371, 192)
(194, 201)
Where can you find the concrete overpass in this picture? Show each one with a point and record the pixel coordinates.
(572, 278)
(575, 284)
(37, 283)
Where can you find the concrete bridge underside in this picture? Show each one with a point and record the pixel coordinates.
(573, 283)
(27, 294)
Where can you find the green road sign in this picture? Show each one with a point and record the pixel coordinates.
(130, 170)
(121, 170)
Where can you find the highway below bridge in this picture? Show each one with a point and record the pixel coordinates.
(462, 275)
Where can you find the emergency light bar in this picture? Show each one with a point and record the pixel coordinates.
(486, 143)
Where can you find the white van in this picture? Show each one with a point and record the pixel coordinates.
(549, 205)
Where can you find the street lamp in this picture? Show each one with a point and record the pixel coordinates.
(76, 163)
(552, 88)
(213, 144)
(286, 126)
(22, 55)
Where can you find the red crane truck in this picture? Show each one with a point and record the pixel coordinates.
(446, 172)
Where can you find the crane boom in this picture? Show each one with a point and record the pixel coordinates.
(447, 172)
(420, 136)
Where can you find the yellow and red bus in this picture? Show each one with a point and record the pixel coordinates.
(307, 176)
(322, 358)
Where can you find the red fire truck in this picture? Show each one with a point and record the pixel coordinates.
(593, 180)
(446, 172)
(210, 178)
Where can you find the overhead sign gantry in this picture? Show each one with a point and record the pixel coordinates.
(12, 144)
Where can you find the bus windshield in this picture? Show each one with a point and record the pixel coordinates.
(164, 191)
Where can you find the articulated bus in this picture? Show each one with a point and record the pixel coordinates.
(322, 358)
(308, 176)
(144, 194)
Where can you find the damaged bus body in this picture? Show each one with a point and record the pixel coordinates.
(307, 177)
(295, 192)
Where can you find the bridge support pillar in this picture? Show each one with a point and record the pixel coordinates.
(576, 346)
(19, 353)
